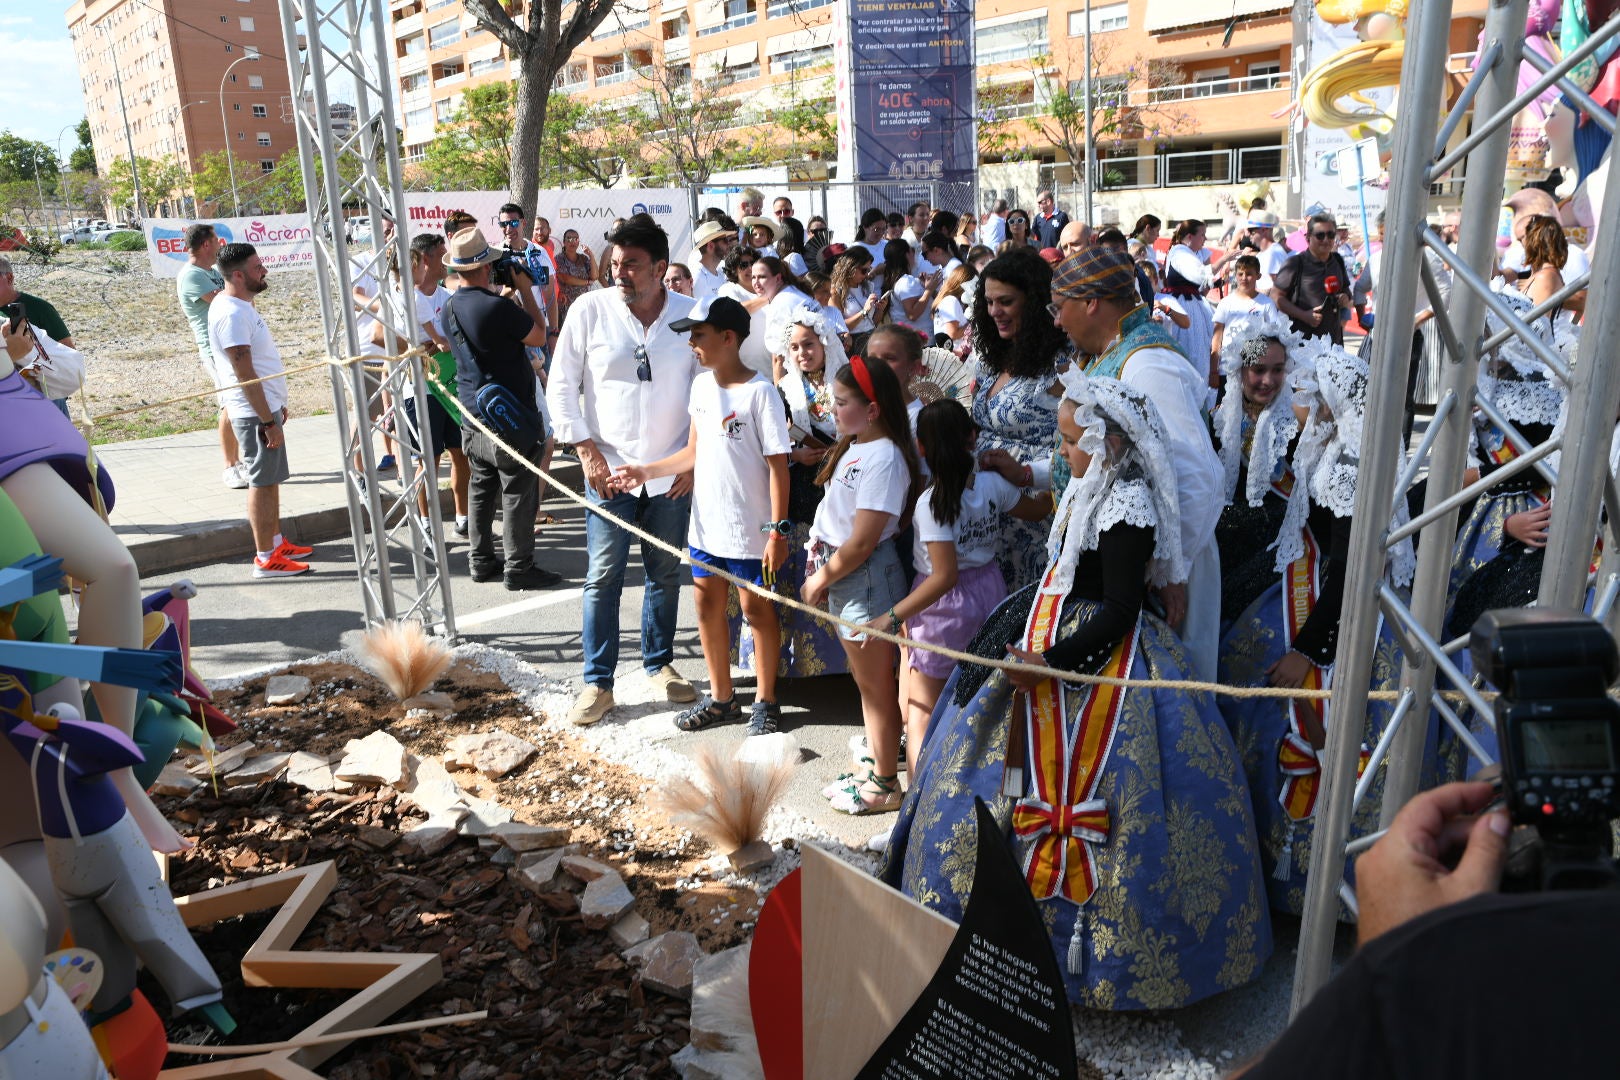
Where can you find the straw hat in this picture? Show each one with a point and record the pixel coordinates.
(468, 250)
(749, 222)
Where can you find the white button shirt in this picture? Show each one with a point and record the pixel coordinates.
(593, 392)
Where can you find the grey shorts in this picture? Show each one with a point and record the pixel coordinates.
(265, 467)
(870, 590)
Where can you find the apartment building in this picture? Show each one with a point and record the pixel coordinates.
(187, 78)
(1208, 87)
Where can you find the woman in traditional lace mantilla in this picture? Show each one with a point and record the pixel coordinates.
(812, 353)
(1288, 635)
(1127, 806)
(1527, 394)
(1255, 427)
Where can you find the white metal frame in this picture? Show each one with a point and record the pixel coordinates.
(1421, 154)
(335, 45)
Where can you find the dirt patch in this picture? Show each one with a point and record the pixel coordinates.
(562, 1001)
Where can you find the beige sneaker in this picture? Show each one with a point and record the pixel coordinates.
(591, 705)
(675, 688)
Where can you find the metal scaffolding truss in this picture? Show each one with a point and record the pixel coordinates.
(333, 47)
(1424, 151)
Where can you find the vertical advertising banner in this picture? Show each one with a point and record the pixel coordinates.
(283, 241)
(911, 90)
(1322, 188)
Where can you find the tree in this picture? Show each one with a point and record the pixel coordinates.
(809, 116)
(21, 159)
(83, 157)
(1003, 134)
(1114, 118)
(540, 48)
(586, 141)
(472, 151)
(82, 189)
(688, 124)
(162, 180)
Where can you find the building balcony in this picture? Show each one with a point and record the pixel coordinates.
(609, 78)
(1207, 88)
(1191, 168)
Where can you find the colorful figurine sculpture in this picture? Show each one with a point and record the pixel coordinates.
(41, 1033)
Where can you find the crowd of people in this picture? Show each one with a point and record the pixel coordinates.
(1085, 451)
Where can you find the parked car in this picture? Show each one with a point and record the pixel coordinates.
(82, 234)
(102, 236)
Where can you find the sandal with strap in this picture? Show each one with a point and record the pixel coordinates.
(859, 800)
(708, 712)
(863, 769)
(763, 717)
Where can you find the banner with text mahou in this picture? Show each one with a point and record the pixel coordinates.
(283, 241)
(590, 210)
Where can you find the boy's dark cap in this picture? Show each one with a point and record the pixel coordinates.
(720, 312)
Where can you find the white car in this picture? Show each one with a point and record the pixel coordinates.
(81, 235)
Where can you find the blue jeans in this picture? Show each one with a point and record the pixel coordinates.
(608, 548)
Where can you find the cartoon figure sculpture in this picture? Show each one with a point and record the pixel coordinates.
(41, 1033)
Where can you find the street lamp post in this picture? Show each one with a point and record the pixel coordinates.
(225, 129)
(61, 161)
(191, 166)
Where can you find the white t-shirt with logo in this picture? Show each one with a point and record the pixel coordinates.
(871, 475)
(1233, 307)
(977, 529)
(233, 322)
(738, 427)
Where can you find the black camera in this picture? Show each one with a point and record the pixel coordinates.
(504, 271)
(1245, 244)
(1558, 731)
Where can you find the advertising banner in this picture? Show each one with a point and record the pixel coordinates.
(1323, 189)
(911, 89)
(284, 241)
(590, 210)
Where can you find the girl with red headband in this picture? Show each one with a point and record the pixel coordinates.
(869, 477)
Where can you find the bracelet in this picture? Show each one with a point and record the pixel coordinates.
(894, 622)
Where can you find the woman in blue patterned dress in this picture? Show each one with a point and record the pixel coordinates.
(1130, 817)
(1016, 393)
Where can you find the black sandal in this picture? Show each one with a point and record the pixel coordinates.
(708, 712)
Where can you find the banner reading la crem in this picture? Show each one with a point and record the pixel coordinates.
(911, 89)
(283, 241)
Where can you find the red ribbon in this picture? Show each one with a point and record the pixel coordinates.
(863, 377)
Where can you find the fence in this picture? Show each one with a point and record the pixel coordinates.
(841, 204)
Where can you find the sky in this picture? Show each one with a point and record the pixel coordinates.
(41, 94)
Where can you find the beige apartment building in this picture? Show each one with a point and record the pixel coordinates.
(196, 76)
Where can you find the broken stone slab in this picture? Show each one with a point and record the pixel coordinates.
(224, 761)
(584, 869)
(430, 786)
(258, 770)
(493, 753)
(433, 835)
(376, 759)
(667, 961)
(376, 838)
(523, 838)
(755, 855)
(483, 815)
(604, 901)
(537, 871)
(175, 780)
(630, 930)
(286, 690)
(769, 749)
(503, 857)
(434, 702)
(719, 981)
(312, 772)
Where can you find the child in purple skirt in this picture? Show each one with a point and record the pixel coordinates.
(958, 584)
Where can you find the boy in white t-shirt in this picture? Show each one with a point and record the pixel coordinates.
(1244, 298)
(737, 452)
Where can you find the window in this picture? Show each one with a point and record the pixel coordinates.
(803, 58)
(570, 76)
(738, 13)
(451, 71)
(251, 50)
(230, 47)
(247, 23)
(259, 112)
(479, 67)
(224, 18)
(612, 69)
(233, 76)
(1010, 41)
(412, 83)
(446, 33)
(255, 82)
(1103, 19)
(1204, 83)
(1265, 76)
(267, 164)
(779, 8)
(678, 27)
(422, 117)
(235, 107)
(264, 138)
(414, 44)
(738, 74)
(240, 135)
(435, 5)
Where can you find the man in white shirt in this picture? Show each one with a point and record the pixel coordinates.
(620, 383)
(197, 285)
(1272, 255)
(993, 229)
(243, 350)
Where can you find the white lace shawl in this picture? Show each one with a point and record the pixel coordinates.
(1134, 485)
(1526, 391)
(1328, 455)
(793, 384)
(1276, 425)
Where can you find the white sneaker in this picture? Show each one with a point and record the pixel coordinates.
(234, 476)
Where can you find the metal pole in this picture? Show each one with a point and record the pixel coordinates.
(1476, 249)
(1091, 146)
(129, 135)
(1594, 400)
(225, 132)
(1421, 99)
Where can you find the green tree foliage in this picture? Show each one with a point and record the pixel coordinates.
(808, 119)
(83, 157)
(20, 158)
(585, 143)
(689, 127)
(164, 182)
(473, 151)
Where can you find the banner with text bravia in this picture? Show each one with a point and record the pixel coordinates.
(590, 210)
(911, 90)
(283, 241)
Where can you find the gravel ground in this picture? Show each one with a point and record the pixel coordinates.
(138, 347)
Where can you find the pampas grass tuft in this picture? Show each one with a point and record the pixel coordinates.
(728, 803)
(404, 657)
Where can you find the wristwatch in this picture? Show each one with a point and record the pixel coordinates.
(780, 528)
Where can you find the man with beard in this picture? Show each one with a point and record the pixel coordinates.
(244, 351)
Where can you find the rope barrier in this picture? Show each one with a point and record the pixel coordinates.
(1188, 685)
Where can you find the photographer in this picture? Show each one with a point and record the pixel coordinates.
(495, 381)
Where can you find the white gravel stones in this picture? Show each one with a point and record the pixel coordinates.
(376, 759)
(286, 690)
(493, 753)
(1125, 1047)
(666, 962)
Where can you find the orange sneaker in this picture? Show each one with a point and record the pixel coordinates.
(278, 565)
(291, 550)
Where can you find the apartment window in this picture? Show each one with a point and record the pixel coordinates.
(678, 27)
(251, 50)
(259, 112)
(1010, 41)
(240, 135)
(1266, 76)
(1204, 82)
(267, 164)
(413, 44)
(435, 5)
(1103, 19)
(264, 138)
(612, 69)
(422, 117)
(229, 47)
(479, 67)
(446, 33)
(255, 82)
(779, 8)
(803, 58)
(738, 13)
(247, 23)
(411, 83)
(451, 71)
(224, 18)
(739, 74)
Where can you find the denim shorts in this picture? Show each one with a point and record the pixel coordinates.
(868, 591)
